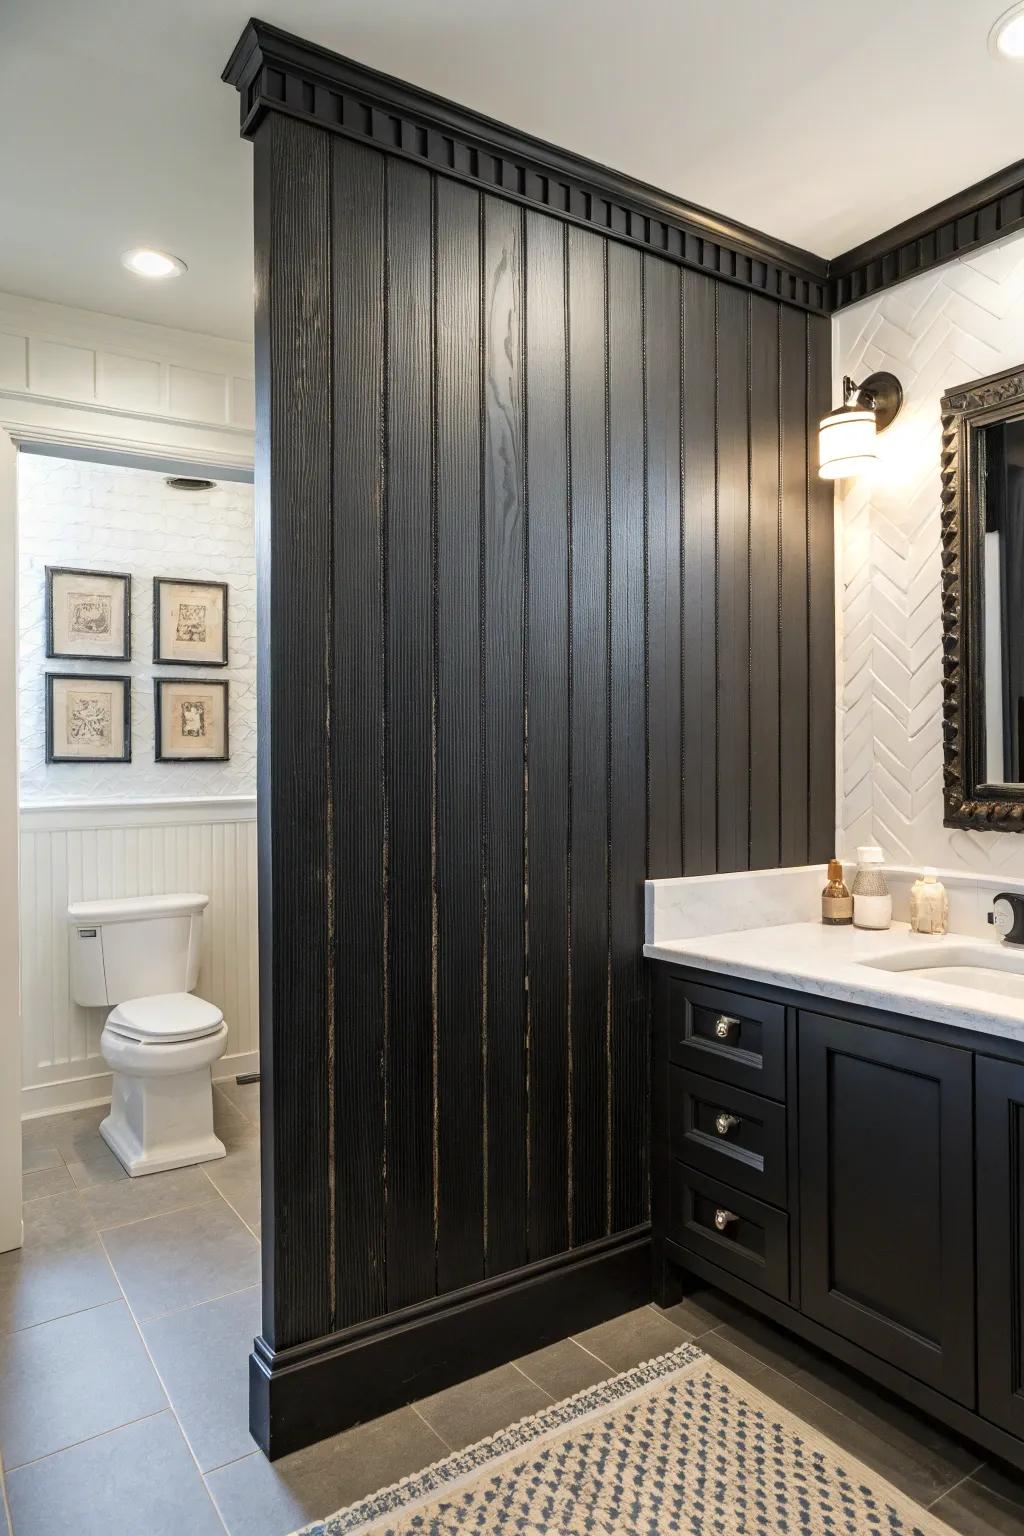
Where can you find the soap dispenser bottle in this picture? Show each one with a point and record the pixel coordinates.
(836, 901)
(929, 904)
(872, 902)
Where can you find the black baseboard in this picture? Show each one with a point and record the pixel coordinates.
(303, 1394)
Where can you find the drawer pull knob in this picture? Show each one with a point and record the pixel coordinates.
(726, 1026)
(725, 1123)
(724, 1219)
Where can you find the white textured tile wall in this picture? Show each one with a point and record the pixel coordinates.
(107, 518)
(957, 323)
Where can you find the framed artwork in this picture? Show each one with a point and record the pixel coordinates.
(191, 720)
(88, 614)
(190, 622)
(88, 719)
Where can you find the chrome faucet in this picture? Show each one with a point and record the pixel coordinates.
(1007, 916)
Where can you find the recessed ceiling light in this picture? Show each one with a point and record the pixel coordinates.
(146, 263)
(1006, 39)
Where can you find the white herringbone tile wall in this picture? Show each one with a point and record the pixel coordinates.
(960, 322)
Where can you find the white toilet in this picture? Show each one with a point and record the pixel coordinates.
(142, 953)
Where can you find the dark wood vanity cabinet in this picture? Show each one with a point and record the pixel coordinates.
(887, 1196)
(858, 1177)
(999, 1100)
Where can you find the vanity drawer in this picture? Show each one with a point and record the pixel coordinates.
(729, 1036)
(730, 1134)
(730, 1229)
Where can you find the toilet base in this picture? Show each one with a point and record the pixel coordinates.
(158, 1123)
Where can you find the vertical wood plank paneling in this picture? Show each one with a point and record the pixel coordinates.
(820, 603)
(700, 702)
(628, 1036)
(460, 1002)
(296, 793)
(569, 638)
(793, 707)
(548, 734)
(765, 823)
(409, 762)
(588, 922)
(505, 548)
(733, 448)
(360, 498)
(662, 339)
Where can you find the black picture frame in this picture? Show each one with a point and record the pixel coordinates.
(971, 799)
(52, 654)
(186, 581)
(159, 683)
(90, 677)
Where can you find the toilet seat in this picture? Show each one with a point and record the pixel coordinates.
(170, 1018)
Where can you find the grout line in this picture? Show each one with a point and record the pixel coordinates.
(966, 1479)
(5, 1503)
(237, 1213)
(527, 1377)
(88, 1439)
(593, 1356)
(431, 1427)
(173, 1411)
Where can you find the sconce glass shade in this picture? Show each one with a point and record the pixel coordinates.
(846, 442)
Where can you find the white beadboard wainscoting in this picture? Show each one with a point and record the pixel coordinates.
(77, 852)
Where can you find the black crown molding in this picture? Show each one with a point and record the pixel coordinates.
(978, 215)
(276, 72)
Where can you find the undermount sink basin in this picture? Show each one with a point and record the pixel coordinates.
(977, 966)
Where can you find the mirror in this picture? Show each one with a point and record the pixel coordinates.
(983, 602)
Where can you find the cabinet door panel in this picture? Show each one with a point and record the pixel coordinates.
(886, 1196)
(999, 1088)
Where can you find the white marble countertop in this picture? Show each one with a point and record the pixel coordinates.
(824, 962)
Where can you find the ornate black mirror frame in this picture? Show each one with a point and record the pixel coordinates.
(970, 801)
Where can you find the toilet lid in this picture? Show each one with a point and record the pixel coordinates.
(170, 1016)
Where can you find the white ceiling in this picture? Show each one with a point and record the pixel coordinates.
(818, 121)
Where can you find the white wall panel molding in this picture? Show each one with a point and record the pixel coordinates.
(115, 852)
(63, 817)
(950, 325)
(75, 376)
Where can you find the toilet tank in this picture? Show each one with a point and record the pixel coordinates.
(134, 946)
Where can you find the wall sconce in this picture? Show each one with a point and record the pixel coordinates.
(846, 437)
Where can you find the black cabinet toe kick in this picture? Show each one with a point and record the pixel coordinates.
(854, 1175)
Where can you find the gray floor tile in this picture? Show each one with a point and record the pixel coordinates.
(154, 1194)
(70, 1379)
(1004, 1481)
(563, 1369)
(772, 1346)
(44, 1182)
(237, 1176)
(261, 1498)
(704, 1309)
(633, 1338)
(94, 1163)
(233, 1128)
(482, 1406)
(65, 1128)
(37, 1156)
(244, 1096)
(62, 1267)
(202, 1355)
(975, 1510)
(727, 1352)
(168, 1262)
(137, 1481)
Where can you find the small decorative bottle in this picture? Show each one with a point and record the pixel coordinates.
(836, 901)
(872, 903)
(929, 904)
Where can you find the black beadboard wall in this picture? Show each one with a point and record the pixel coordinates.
(547, 592)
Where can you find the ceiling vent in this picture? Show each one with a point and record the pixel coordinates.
(186, 483)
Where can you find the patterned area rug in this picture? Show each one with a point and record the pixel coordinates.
(678, 1445)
